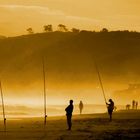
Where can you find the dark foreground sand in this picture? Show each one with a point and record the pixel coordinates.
(125, 126)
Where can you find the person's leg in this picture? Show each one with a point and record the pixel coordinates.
(81, 110)
(69, 122)
(110, 115)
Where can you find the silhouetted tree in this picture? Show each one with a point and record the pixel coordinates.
(75, 30)
(48, 28)
(104, 30)
(62, 28)
(30, 30)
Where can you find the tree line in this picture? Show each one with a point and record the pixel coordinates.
(61, 28)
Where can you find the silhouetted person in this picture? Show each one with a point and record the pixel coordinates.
(128, 106)
(133, 104)
(81, 106)
(69, 111)
(110, 108)
(137, 105)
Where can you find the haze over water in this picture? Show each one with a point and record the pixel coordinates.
(18, 111)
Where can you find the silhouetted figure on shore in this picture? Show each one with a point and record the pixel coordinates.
(81, 107)
(110, 108)
(137, 105)
(133, 104)
(128, 106)
(69, 111)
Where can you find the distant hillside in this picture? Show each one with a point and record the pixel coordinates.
(70, 57)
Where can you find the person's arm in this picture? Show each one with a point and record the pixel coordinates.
(66, 108)
(107, 103)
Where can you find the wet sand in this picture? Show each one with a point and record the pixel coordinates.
(125, 126)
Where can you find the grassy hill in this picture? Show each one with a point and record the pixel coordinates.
(70, 57)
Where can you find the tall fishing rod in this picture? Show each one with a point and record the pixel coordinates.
(45, 102)
(100, 80)
(3, 107)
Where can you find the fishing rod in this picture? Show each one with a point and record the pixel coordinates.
(3, 107)
(45, 102)
(100, 80)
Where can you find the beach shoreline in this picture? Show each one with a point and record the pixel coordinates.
(125, 125)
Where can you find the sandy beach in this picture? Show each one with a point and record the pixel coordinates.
(125, 126)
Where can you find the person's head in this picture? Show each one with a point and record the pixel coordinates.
(71, 101)
(110, 100)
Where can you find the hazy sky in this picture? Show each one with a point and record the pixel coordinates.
(17, 15)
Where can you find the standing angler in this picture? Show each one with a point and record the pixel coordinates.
(69, 111)
(110, 108)
(81, 106)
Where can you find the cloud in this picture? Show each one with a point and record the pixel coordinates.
(39, 9)
(19, 16)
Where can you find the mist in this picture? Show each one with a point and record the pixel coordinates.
(70, 66)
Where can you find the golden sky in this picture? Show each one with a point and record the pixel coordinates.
(17, 15)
